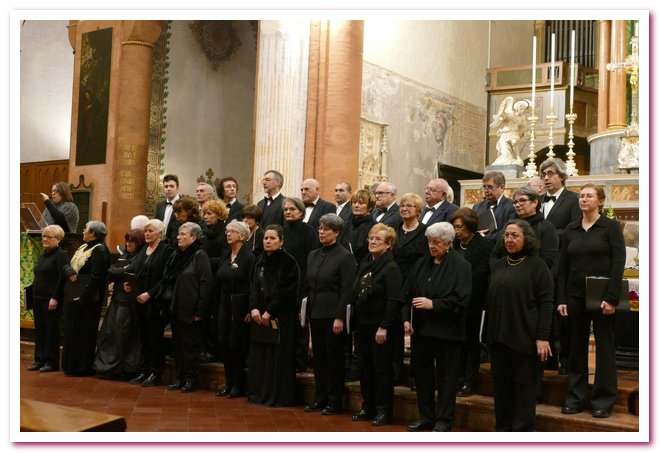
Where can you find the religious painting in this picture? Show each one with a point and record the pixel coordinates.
(94, 97)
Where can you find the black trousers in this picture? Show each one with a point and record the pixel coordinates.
(302, 345)
(152, 325)
(468, 372)
(436, 362)
(234, 343)
(328, 360)
(603, 394)
(397, 335)
(186, 339)
(376, 372)
(46, 333)
(514, 388)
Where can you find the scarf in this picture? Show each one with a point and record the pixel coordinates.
(82, 255)
(178, 261)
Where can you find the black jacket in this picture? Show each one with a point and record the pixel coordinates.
(391, 217)
(272, 214)
(232, 280)
(193, 289)
(477, 253)
(299, 241)
(330, 276)
(274, 286)
(321, 208)
(354, 236)
(565, 210)
(96, 267)
(49, 275)
(409, 247)
(378, 297)
(449, 286)
(504, 211)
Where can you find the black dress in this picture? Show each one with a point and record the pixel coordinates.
(232, 282)
(48, 284)
(272, 369)
(520, 304)
(354, 236)
(119, 349)
(83, 314)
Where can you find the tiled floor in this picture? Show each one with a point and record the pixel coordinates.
(158, 409)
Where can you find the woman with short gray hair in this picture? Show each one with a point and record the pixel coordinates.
(436, 294)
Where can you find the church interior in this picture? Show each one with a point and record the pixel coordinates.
(129, 101)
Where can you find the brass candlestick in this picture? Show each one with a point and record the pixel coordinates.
(531, 165)
(570, 163)
(551, 119)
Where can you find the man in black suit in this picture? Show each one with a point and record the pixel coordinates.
(343, 192)
(164, 211)
(271, 205)
(501, 207)
(315, 206)
(560, 207)
(228, 191)
(438, 208)
(386, 210)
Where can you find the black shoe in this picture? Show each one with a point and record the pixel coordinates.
(420, 425)
(36, 366)
(176, 385)
(47, 369)
(600, 413)
(207, 357)
(381, 420)
(236, 392)
(316, 406)
(330, 410)
(570, 409)
(441, 428)
(152, 381)
(225, 391)
(362, 416)
(464, 391)
(137, 380)
(562, 370)
(189, 387)
(413, 388)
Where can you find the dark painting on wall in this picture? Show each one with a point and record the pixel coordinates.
(94, 97)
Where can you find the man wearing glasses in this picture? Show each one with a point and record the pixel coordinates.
(495, 210)
(271, 205)
(438, 205)
(387, 210)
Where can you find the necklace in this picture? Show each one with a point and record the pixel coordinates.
(462, 246)
(515, 262)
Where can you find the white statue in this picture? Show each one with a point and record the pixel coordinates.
(512, 123)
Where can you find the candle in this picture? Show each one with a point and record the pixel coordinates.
(533, 74)
(572, 66)
(552, 74)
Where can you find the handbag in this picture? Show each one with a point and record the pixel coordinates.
(596, 288)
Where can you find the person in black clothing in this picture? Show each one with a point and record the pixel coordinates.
(271, 204)
(84, 297)
(378, 302)
(227, 190)
(232, 282)
(436, 295)
(519, 309)
(330, 275)
(274, 292)
(251, 215)
(476, 250)
(592, 246)
(299, 239)
(410, 246)
(185, 210)
(47, 289)
(148, 267)
(188, 276)
(118, 354)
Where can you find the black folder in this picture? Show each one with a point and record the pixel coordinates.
(27, 297)
(266, 334)
(596, 290)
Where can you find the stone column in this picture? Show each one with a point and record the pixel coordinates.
(617, 85)
(334, 104)
(605, 27)
(280, 103)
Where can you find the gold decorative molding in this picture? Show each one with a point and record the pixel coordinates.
(138, 43)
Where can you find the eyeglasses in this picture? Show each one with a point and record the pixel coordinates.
(520, 201)
(488, 187)
(408, 206)
(43, 236)
(513, 236)
(323, 228)
(289, 209)
(549, 173)
(378, 194)
(376, 239)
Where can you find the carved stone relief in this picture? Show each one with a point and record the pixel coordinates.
(373, 153)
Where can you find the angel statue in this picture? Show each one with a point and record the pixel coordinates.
(512, 123)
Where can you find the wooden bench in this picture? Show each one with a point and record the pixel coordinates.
(41, 416)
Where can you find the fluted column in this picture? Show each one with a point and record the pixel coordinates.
(605, 30)
(617, 85)
(334, 103)
(281, 103)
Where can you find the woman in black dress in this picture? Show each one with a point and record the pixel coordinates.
(251, 215)
(214, 241)
(85, 294)
(476, 249)
(378, 302)
(185, 210)
(188, 274)
(519, 309)
(47, 289)
(436, 295)
(148, 267)
(330, 276)
(592, 246)
(273, 303)
(354, 235)
(119, 351)
(232, 282)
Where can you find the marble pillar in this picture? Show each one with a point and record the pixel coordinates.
(281, 103)
(604, 41)
(334, 104)
(617, 83)
(119, 184)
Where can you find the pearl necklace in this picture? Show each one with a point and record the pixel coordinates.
(515, 262)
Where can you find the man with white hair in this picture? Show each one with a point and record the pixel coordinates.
(387, 209)
(315, 206)
(438, 206)
(204, 193)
